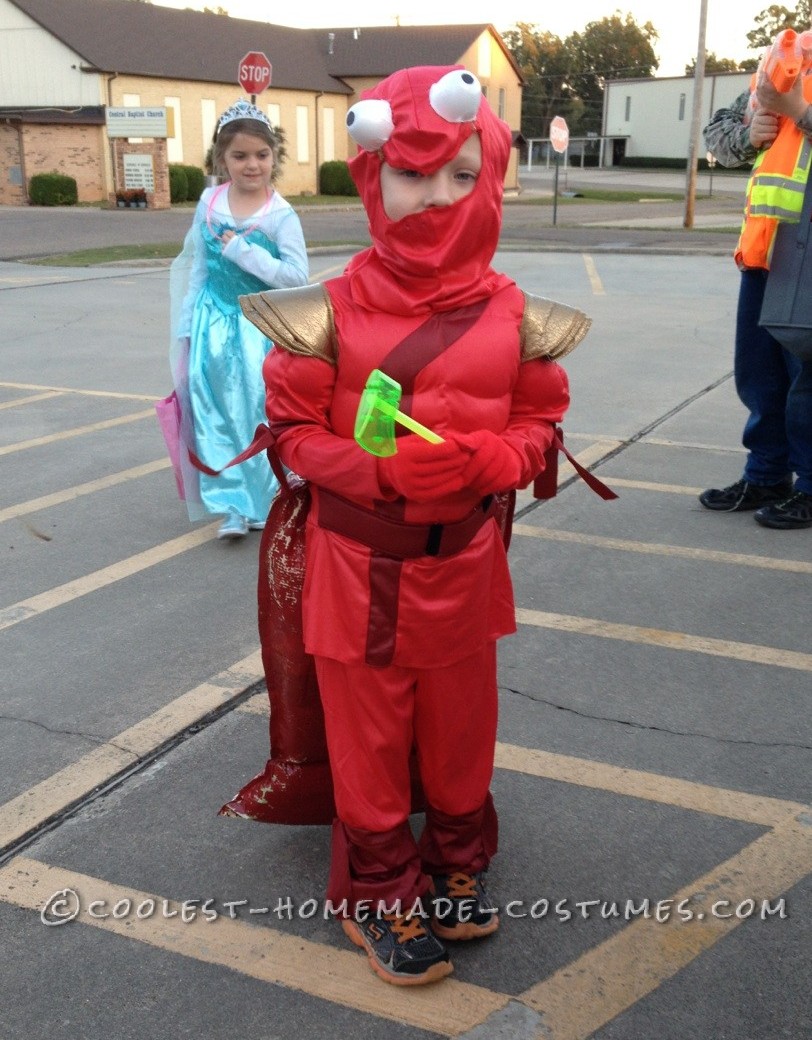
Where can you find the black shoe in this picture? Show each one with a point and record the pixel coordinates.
(793, 512)
(742, 496)
(461, 907)
(401, 948)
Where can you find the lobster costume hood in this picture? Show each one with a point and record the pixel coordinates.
(418, 119)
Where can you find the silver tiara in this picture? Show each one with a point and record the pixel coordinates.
(242, 109)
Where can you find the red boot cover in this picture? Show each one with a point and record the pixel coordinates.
(466, 843)
(295, 786)
(374, 869)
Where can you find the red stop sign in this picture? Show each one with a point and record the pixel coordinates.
(559, 134)
(254, 73)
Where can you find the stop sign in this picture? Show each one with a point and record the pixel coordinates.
(254, 72)
(559, 134)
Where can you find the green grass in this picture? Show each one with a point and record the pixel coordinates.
(109, 255)
(596, 195)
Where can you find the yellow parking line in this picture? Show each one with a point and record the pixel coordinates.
(594, 277)
(652, 787)
(664, 442)
(755, 654)
(30, 400)
(650, 485)
(591, 991)
(270, 955)
(34, 807)
(57, 597)
(78, 431)
(655, 549)
(83, 393)
(34, 505)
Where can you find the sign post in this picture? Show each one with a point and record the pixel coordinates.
(559, 139)
(711, 163)
(254, 73)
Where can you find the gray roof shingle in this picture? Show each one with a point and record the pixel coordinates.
(143, 39)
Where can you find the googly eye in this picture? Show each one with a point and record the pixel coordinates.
(456, 96)
(369, 123)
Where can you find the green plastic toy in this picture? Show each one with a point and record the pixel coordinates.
(378, 412)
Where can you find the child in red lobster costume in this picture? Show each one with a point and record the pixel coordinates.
(407, 586)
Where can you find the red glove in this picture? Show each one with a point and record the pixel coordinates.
(422, 471)
(493, 465)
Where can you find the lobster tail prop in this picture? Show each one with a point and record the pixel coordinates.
(295, 785)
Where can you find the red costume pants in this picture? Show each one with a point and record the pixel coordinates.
(373, 719)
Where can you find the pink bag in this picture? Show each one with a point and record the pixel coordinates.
(168, 411)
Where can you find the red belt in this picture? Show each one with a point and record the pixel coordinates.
(395, 537)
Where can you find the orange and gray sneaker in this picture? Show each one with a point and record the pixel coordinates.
(461, 906)
(401, 949)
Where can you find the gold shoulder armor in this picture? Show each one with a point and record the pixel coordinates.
(550, 329)
(298, 320)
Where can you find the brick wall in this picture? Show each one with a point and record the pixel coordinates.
(154, 147)
(72, 150)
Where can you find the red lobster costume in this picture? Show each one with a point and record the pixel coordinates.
(404, 595)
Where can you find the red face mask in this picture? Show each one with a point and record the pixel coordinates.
(438, 259)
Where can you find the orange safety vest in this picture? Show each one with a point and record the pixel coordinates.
(775, 191)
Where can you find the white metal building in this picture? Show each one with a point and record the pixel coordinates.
(652, 117)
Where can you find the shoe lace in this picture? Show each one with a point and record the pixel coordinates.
(797, 498)
(461, 886)
(405, 927)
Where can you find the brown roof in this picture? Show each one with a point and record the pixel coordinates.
(143, 39)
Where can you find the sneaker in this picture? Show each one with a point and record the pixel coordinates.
(256, 525)
(234, 526)
(462, 907)
(400, 948)
(743, 495)
(794, 512)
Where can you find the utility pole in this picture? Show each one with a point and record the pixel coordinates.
(693, 143)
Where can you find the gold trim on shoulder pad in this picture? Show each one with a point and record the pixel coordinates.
(298, 320)
(550, 329)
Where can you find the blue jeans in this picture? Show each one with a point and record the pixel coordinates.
(776, 388)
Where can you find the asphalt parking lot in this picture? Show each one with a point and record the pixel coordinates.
(653, 766)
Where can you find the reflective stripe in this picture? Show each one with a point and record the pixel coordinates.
(770, 180)
(790, 215)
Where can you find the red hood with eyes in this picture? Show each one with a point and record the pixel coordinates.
(438, 259)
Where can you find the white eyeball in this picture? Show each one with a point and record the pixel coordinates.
(369, 123)
(456, 96)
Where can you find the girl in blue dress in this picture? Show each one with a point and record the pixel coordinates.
(245, 238)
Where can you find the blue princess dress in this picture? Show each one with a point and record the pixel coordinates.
(216, 355)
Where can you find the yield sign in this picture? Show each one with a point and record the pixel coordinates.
(559, 134)
(254, 72)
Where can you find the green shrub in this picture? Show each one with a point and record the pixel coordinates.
(195, 179)
(335, 179)
(178, 183)
(52, 189)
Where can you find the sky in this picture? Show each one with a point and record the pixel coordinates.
(677, 21)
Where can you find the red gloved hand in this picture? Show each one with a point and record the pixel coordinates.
(493, 465)
(422, 471)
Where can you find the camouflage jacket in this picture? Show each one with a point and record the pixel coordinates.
(728, 139)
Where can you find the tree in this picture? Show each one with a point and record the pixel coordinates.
(545, 63)
(612, 48)
(714, 64)
(775, 18)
